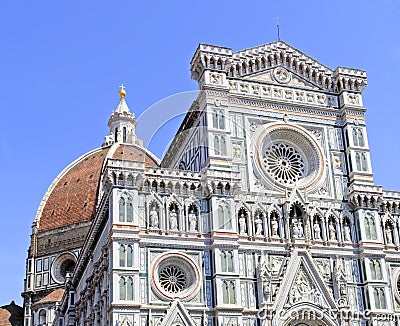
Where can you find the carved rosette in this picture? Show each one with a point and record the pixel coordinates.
(287, 155)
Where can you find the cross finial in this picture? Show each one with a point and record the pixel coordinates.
(277, 26)
(122, 92)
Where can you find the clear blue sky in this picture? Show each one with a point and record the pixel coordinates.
(61, 63)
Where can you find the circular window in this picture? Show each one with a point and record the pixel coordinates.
(284, 163)
(174, 275)
(287, 155)
(172, 279)
(64, 264)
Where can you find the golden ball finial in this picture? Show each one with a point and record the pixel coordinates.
(122, 92)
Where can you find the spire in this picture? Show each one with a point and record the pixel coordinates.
(121, 123)
(122, 106)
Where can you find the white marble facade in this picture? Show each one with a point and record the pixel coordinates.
(263, 212)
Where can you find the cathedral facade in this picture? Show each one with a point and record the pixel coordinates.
(263, 210)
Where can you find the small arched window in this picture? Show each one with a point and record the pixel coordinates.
(129, 256)
(227, 218)
(219, 189)
(364, 162)
(129, 289)
(121, 205)
(212, 63)
(42, 317)
(262, 63)
(154, 186)
(223, 146)
(228, 292)
(358, 161)
(162, 187)
(367, 228)
(116, 135)
(227, 189)
(231, 292)
(229, 261)
(219, 64)
(355, 137)
(121, 251)
(225, 292)
(146, 185)
(378, 270)
(124, 134)
(223, 261)
(220, 211)
(360, 138)
(185, 189)
(373, 228)
(382, 298)
(122, 291)
(121, 180)
(217, 149)
(215, 119)
(170, 187)
(221, 120)
(129, 210)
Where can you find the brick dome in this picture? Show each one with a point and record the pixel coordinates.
(72, 196)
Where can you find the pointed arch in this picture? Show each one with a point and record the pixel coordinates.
(364, 162)
(212, 63)
(223, 145)
(121, 209)
(217, 150)
(129, 288)
(121, 251)
(219, 64)
(129, 210)
(129, 256)
(122, 283)
(263, 64)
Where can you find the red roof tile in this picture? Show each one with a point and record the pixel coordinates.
(73, 198)
(133, 153)
(53, 296)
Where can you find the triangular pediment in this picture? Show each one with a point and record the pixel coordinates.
(256, 63)
(176, 315)
(303, 285)
(297, 197)
(271, 76)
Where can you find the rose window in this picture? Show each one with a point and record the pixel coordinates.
(175, 275)
(284, 163)
(172, 279)
(288, 155)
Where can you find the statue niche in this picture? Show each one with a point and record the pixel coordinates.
(296, 222)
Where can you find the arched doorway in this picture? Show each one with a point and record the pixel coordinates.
(306, 315)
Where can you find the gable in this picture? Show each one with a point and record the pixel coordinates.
(280, 75)
(177, 315)
(306, 70)
(304, 285)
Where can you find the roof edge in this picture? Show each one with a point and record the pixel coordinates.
(55, 182)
